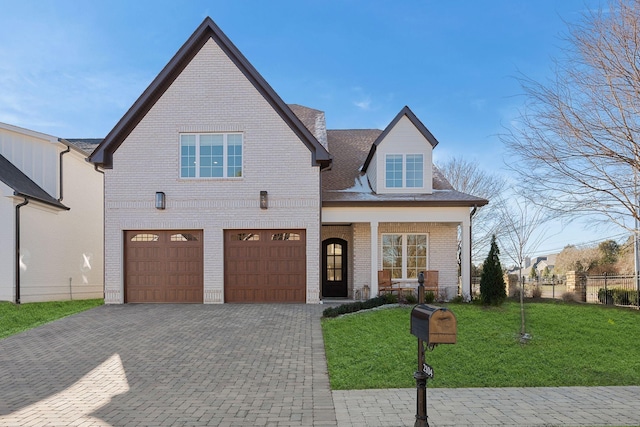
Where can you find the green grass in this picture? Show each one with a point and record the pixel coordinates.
(18, 318)
(571, 345)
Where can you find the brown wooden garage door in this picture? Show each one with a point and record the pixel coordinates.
(163, 266)
(265, 266)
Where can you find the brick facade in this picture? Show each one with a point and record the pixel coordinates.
(211, 95)
(442, 252)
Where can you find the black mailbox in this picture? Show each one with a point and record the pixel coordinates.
(433, 325)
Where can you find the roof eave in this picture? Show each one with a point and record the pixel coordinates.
(103, 154)
(52, 203)
(404, 203)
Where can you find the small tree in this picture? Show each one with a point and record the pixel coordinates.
(534, 273)
(492, 286)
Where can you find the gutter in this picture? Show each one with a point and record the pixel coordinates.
(62, 153)
(17, 241)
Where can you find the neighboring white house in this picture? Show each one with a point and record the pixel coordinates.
(51, 219)
(217, 191)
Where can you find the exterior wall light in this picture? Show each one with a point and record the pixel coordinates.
(161, 200)
(264, 200)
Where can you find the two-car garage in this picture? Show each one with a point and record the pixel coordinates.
(167, 266)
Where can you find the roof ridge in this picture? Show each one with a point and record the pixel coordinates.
(103, 154)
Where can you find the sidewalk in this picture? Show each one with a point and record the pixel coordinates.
(552, 406)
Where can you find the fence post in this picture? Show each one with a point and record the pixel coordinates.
(606, 293)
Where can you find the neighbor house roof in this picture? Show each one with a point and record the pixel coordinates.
(103, 155)
(24, 186)
(86, 145)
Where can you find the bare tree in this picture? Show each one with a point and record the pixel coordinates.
(525, 231)
(575, 143)
(576, 259)
(467, 177)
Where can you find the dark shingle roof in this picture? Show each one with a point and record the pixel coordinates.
(85, 144)
(22, 185)
(344, 184)
(349, 149)
(313, 120)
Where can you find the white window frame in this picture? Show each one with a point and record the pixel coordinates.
(404, 255)
(404, 171)
(225, 155)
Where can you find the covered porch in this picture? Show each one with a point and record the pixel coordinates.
(358, 242)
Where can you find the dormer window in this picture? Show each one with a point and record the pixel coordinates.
(404, 171)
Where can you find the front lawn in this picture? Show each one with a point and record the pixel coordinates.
(18, 318)
(571, 345)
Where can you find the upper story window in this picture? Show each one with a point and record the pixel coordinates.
(211, 155)
(404, 171)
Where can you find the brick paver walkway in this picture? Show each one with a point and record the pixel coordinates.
(552, 406)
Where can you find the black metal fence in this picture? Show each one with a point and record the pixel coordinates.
(620, 290)
(609, 290)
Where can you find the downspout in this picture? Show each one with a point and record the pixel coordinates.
(473, 212)
(62, 153)
(17, 240)
(95, 166)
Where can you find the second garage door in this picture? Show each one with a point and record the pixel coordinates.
(265, 266)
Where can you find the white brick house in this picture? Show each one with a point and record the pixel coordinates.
(217, 191)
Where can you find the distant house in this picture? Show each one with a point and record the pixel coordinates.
(51, 219)
(539, 263)
(217, 191)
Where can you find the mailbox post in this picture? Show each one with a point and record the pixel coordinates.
(419, 375)
(431, 325)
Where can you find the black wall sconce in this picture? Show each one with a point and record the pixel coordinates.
(161, 200)
(264, 200)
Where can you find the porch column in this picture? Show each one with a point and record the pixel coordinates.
(465, 259)
(374, 258)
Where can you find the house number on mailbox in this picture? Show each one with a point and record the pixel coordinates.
(428, 370)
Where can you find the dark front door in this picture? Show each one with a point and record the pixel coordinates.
(334, 268)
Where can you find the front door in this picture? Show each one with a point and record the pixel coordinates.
(334, 268)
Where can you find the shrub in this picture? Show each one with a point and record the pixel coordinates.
(458, 299)
(569, 297)
(492, 286)
(359, 305)
(536, 292)
(408, 298)
(617, 296)
(429, 297)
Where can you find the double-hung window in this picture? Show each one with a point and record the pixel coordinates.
(405, 255)
(211, 155)
(404, 171)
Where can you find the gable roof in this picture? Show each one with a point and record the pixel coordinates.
(405, 112)
(24, 186)
(345, 185)
(103, 154)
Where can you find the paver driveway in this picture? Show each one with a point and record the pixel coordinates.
(189, 365)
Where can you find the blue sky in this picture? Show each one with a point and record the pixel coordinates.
(73, 68)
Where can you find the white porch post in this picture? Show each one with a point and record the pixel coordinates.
(374, 258)
(465, 259)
